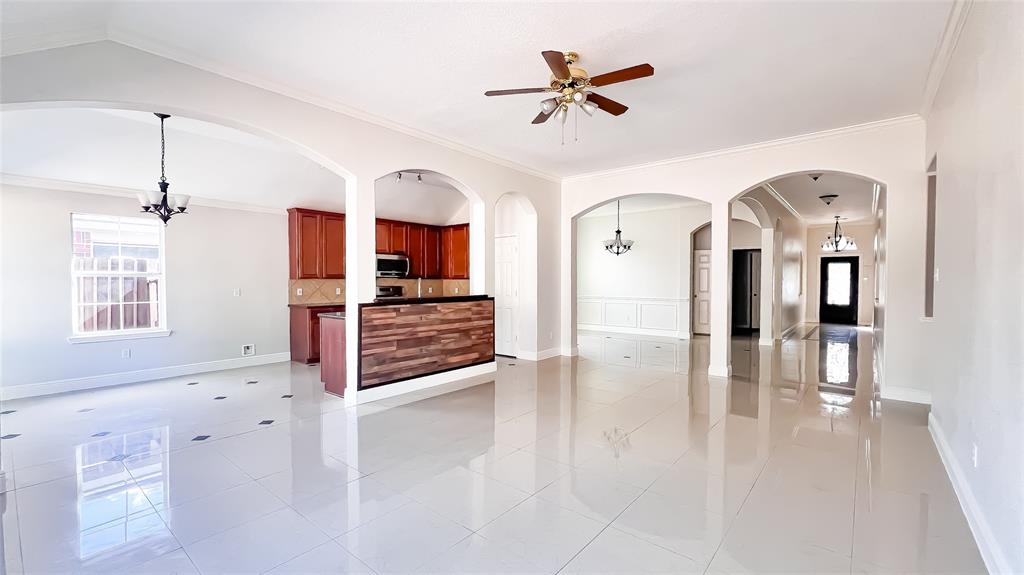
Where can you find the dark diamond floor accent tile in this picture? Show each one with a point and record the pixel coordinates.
(201, 438)
(266, 422)
(289, 396)
(85, 410)
(192, 383)
(8, 412)
(251, 381)
(101, 434)
(10, 436)
(221, 397)
(119, 457)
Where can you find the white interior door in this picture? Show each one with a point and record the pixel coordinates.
(506, 298)
(701, 303)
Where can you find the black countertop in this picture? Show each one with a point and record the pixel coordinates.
(332, 315)
(417, 300)
(316, 305)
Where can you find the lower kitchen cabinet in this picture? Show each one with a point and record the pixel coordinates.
(305, 330)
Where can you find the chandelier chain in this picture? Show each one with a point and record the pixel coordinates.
(163, 151)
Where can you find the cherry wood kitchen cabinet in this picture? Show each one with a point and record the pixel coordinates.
(432, 252)
(399, 238)
(417, 253)
(305, 330)
(316, 244)
(455, 251)
(383, 233)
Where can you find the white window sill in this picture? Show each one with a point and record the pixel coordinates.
(119, 336)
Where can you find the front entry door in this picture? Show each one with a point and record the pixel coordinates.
(838, 299)
(701, 304)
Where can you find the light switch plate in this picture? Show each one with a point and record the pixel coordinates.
(237, 292)
(337, 291)
(298, 291)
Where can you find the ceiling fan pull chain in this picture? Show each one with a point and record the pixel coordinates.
(576, 123)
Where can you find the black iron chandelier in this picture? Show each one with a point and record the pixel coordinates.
(618, 246)
(163, 204)
(839, 242)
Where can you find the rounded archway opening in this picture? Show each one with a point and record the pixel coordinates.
(641, 293)
(433, 225)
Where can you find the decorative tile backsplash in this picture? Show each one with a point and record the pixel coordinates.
(333, 291)
(316, 291)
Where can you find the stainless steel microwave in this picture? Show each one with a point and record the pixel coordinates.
(392, 266)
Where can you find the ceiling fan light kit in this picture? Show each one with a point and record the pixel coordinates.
(573, 84)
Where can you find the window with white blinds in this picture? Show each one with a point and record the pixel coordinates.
(117, 273)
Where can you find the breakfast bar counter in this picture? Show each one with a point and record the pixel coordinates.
(407, 339)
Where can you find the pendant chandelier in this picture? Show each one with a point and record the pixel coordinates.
(163, 204)
(839, 242)
(618, 246)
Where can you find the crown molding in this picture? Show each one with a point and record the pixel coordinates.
(842, 222)
(116, 191)
(12, 45)
(944, 52)
(789, 140)
(768, 187)
(163, 50)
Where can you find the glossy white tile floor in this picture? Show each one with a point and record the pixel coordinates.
(625, 460)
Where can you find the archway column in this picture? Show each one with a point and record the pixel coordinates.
(720, 364)
(360, 269)
(767, 290)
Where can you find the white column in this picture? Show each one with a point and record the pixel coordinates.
(481, 246)
(721, 290)
(360, 271)
(767, 289)
(568, 285)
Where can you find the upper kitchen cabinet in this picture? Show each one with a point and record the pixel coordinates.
(399, 238)
(383, 234)
(316, 244)
(455, 251)
(432, 252)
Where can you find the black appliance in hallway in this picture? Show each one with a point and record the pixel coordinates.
(838, 287)
(746, 289)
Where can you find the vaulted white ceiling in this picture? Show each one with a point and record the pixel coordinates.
(727, 73)
(856, 196)
(121, 149)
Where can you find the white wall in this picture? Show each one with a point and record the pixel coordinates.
(864, 234)
(113, 75)
(975, 344)
(888, 152)
(209, 253)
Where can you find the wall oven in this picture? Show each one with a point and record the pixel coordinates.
(392, 266)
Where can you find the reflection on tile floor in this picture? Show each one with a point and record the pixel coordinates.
(627, 459)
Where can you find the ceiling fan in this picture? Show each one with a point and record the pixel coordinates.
(573, 85)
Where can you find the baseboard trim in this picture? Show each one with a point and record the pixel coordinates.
(634, 331)
(126, 377)
(465, 375)
(789, 331)
(909, 394)
(539, 355)
(720, 373)
(991, 553)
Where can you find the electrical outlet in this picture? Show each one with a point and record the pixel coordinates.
(456, 290)
(337, 291)
(248, 349)
(298, 291)
(126, 353)
(935, 274)
(236, 292)
(974, 455)
(430, 290)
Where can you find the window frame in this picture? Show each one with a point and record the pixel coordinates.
(74, 275)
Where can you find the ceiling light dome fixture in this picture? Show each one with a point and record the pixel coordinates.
(838, 242)
(618, 246)
(161, 203)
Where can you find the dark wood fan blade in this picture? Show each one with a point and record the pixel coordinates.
(611, 106)
(556, 61)
(543, 116)
(516, 91)
(641, 71)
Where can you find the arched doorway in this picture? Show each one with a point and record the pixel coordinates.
(645, 291)
(515, 276)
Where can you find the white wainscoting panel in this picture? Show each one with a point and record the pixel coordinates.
(644, 316)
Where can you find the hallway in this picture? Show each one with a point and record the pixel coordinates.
(626, 459)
